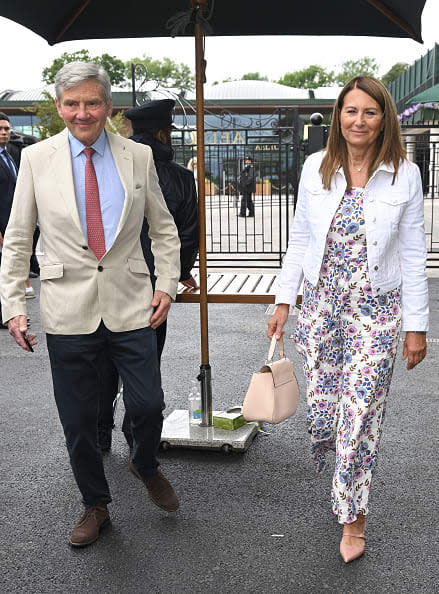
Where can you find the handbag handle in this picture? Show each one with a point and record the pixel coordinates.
(280, 342)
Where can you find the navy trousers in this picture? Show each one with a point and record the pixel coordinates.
(75, 362)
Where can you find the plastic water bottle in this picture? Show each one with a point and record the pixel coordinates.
(194, 401)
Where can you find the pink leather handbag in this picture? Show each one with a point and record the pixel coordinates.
(273, 394)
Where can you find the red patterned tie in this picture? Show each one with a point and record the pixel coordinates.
(95, 228)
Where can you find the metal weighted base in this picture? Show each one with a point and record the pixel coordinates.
(178, 433)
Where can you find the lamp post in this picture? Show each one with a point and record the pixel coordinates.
(144, 71)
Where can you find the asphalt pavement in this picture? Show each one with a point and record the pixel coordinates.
(254, 522)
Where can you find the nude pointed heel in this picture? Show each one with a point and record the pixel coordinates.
(351, 552)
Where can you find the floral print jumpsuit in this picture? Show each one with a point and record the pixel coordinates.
(348, 339)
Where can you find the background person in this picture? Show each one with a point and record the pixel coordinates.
(247, 187)
(90, 191)
(358, 241)
(17, 142)
(151, 125)
(8, 178)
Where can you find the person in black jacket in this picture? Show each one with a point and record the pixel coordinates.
(152, 124)
(247, 186)
(17, 142)
(8, 177)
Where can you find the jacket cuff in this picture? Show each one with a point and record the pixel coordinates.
(413, 323)
(168, 286)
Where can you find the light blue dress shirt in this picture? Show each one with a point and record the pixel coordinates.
(111, 192)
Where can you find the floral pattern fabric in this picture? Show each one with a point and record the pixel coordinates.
(348, 339)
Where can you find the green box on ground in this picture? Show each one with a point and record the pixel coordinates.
(228, 420)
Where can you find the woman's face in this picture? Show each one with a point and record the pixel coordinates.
(361, 119)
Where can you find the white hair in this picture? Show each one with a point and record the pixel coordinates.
(74, 73)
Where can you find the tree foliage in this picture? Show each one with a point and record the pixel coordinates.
(114, 66)
(396, 70)
(309, 78)
(363, 67)
(253, 76)
(167, 72)
(49, 121)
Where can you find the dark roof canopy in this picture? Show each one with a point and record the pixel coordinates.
(66, 20)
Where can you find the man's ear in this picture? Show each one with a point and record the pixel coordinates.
(162, 136)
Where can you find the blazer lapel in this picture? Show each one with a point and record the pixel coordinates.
(61, 165)
(123, 160)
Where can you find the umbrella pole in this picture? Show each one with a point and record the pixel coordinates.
(177, 431)
(205, 377)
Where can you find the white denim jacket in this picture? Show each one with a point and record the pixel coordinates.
(394, 220)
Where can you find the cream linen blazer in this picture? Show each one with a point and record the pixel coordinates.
(77, 290)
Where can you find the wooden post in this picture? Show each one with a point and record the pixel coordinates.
(205, 371)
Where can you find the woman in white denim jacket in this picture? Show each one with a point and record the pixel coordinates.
(357, 242)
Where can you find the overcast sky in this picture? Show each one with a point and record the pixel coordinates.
(226, 56)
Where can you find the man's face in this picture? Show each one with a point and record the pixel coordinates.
(5, 133)
(84, 111)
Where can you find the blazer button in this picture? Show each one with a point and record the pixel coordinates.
(100, 268)
(84, 247)
(375, 242)
(375, 267)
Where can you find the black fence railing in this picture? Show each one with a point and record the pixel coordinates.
(423, 149)
(258, 241)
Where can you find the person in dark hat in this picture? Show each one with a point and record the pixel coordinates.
(247, 186)
(152, 124)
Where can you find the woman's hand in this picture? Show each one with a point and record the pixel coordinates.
(277, 321)
(415, 348)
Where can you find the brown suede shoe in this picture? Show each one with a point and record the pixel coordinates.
(160, 490)
(90, 523)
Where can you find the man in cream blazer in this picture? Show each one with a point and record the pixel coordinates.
(94, 302)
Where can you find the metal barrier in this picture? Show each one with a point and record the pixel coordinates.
(422, 148)
(259, 241)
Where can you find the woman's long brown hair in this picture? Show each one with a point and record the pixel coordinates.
(389, 148)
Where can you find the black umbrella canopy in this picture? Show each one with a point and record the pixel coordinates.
(104, 19)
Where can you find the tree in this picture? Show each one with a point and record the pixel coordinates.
(117, 124)
(253, 76)
(49, 121)
(396, 70)
(167, 72)
(308, 78)
(363, 67)
(114, 66)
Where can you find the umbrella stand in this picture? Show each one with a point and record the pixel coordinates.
(177, 431)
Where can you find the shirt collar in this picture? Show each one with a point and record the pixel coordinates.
(77, 147)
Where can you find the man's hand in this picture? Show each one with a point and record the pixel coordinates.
(415, 348)
(162, 302)
(277, 321)
(17, 326)
(190, 283)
